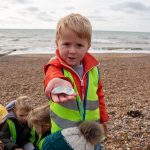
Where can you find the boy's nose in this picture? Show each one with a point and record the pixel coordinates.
(72, 49)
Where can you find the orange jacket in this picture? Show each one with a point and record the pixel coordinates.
(54, 69)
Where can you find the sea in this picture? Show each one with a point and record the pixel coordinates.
(42, 41)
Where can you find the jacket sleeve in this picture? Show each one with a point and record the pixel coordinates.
(6, 137)
(51, 72)
(103, 112)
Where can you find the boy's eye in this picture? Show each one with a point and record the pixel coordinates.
(66, 44)
(79, 45)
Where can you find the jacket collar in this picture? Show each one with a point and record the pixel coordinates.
(88, 61)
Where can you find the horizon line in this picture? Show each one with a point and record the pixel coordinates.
(55, 29)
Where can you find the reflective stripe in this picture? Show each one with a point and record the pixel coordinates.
(12, 129)
(92, 105)
(63, 123)
(65, 113)
(72, 104)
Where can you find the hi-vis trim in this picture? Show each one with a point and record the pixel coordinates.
(65, 113)
(64, 123)
(72, 104)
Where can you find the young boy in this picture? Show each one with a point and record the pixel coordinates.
(74, 67)
(83, 137)
(14, 131)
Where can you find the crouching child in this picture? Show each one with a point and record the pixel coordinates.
(39, 121)
(14, 130)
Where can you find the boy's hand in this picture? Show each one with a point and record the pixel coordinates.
(1, 145)
(58, 98)
(61, 97)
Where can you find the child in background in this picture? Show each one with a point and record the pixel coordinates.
(3, 112)
(74, 67)
(14, 130)
(83, 137)
(78, 138)
(39, 121)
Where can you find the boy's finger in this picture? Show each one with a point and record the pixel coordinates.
(65, 98)
(55, 98)
(62, 98)
(71, 97)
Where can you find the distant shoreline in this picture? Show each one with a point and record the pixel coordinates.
(94, 30)
(92, 52)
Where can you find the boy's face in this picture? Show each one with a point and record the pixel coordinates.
(21, 115)
(71, 47)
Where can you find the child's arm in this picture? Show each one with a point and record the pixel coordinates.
(56, 82)
(54, 77)
(103, 112)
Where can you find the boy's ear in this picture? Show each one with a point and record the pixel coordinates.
(56, 42)
(89, 46)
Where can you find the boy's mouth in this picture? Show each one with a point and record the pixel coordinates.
(71, 58)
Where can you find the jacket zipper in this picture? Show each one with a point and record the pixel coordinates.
(81, 80)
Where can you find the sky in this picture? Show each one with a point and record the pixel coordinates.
(107, 15)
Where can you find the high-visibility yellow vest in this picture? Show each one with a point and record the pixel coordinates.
(38, 143)
(12, 129)
(73, 112)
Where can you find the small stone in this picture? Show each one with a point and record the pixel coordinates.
(134, 114)
(63, 89)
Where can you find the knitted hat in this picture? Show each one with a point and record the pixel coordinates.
(83, 137)
(76, 140)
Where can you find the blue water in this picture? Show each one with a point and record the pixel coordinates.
(27, 41)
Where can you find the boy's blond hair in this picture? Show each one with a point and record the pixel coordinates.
(76, 23)
(23, 103)
(39, 116)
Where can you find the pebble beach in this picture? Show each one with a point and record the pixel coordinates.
(126, 84)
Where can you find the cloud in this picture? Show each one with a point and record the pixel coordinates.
(96, 18)
(96, 11)
(44, 16)
(33, 9)
(20, 1)
(4, 7)
(69, 8)
(130, 6)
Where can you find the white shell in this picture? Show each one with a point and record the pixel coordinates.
(63, 89)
